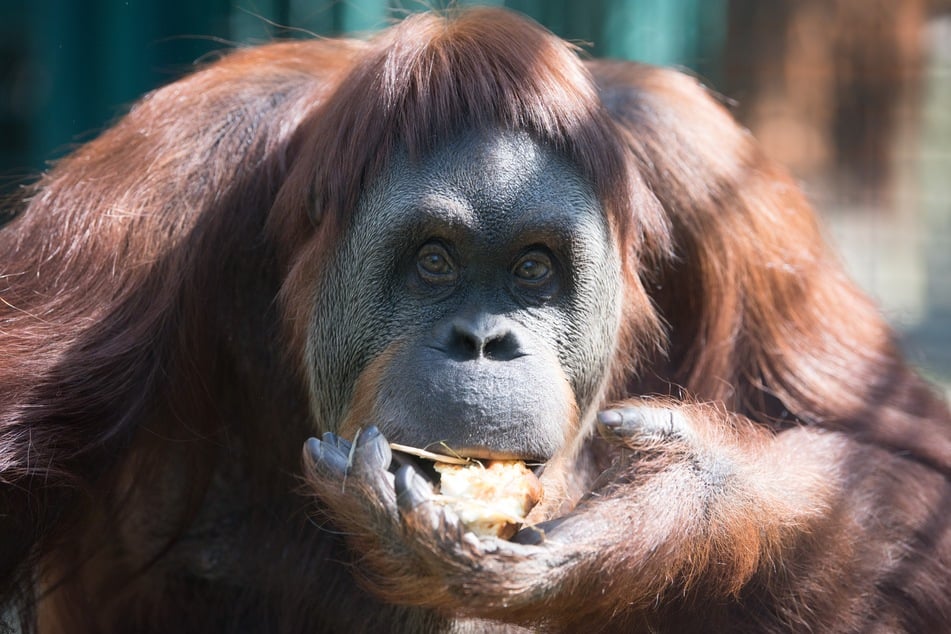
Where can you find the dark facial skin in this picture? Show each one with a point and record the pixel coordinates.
(472, 306)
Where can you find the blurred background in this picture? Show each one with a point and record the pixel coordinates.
(854, 96)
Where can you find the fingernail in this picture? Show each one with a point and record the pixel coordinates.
(411, 489)
(313, 447)
(529, 536)
(370, 433)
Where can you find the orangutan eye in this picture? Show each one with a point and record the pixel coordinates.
(533, 268)
(434, 264)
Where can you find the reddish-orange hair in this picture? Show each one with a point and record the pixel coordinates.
(433, 76)
(148, 282)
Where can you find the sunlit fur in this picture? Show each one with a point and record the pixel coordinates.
(155, 295)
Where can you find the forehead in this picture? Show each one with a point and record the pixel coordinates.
(487, 181)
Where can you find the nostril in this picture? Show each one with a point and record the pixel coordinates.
(499, 346)
(468, 342)
(484, 336)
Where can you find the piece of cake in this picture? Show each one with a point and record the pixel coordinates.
(491, 499)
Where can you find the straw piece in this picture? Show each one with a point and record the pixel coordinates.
(429, 455)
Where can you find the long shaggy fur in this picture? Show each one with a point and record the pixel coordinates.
(154, 299)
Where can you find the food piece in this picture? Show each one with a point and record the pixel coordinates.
(491, 500)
